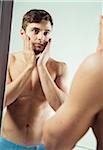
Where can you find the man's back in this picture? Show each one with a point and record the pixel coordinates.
(82, 109)
(98, 119)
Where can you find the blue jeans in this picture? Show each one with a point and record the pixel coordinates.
(9, 145)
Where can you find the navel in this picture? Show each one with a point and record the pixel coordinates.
(27, 125)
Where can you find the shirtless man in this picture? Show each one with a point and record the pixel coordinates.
(36, 85)
(82, 109)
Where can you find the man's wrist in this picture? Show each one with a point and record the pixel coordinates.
(41, 65)
(30, 67)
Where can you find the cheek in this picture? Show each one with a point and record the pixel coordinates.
(33, 38)
(47, 38)
(31, 35)
(28, 33)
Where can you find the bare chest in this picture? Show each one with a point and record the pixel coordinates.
(33, 88)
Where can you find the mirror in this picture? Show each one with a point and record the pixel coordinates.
(5, 26)
(74, 36)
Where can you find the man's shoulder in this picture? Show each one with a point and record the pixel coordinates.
(93, 63)
(90, 74)
(13, 57)
(58, 64)
(87, 83)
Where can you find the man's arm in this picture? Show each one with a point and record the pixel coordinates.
(55, 91)
(75, 116)
(14, 88)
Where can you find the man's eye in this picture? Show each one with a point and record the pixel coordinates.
(46, 33)
(36, 31)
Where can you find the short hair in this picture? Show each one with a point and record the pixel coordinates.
(36, 15)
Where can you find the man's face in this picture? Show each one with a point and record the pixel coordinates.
(39, 34)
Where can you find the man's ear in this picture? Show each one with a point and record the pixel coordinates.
(22, 33)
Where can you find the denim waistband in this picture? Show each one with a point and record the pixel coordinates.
(9, 145)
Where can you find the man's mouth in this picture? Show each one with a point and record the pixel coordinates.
(39, 48)
(39, 45)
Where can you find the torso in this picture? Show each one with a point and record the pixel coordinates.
(25, 117)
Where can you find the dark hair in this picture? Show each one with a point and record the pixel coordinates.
(36, 15)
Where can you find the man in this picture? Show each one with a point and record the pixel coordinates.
(82, 109)
(35, 85)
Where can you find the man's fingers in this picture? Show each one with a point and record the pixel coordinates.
(46, 50)
(45, 54)
(24, 42)
(47, 46)
(30, 45)
(27, 43)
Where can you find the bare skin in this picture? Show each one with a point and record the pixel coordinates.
(82, 109)
(26, 98)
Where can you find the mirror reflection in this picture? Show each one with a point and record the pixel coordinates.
(48, 43)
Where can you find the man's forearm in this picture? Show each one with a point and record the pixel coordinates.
(14, 88)
(53, 94)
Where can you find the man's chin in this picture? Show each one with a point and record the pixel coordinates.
(37, 52)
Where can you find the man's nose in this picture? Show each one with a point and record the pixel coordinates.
(41, 36)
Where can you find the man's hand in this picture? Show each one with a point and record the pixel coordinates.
(100, 41)
(45, 55)
(29, 55)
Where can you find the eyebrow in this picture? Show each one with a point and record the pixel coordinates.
(47, 30)
(35, 28)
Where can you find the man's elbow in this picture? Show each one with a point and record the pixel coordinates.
(47, 138)
(55, 104)
(52, 141)
(7, 100)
